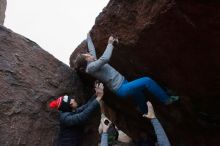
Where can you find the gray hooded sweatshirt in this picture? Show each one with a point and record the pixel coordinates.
(101, 70)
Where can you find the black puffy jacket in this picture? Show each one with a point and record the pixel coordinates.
(72, 124)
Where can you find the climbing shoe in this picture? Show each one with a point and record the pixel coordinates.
(172, 99)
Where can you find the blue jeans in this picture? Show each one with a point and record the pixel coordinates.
(135, 89)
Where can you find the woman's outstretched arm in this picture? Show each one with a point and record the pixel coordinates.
(91, 47)
(104, 59)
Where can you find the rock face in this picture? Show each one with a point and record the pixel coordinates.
(29, 76)
(3, 4)
(177, 44)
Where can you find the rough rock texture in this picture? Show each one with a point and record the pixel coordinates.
(3, 4)
(177, 44)
(29, 76)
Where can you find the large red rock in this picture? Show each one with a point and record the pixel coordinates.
(177, 44)
(29, 77)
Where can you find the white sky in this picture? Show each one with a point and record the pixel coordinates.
(58, 26)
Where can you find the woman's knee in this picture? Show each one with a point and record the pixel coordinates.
(147, 79)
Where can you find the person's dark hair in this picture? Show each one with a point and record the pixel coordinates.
(80, 63)
(112, 134)
(65, 106)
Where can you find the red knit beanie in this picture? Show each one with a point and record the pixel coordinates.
(62, 103)
(56, 103)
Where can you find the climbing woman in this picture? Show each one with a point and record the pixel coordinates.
(101, 70)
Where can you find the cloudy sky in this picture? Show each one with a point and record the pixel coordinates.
(58, 26)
